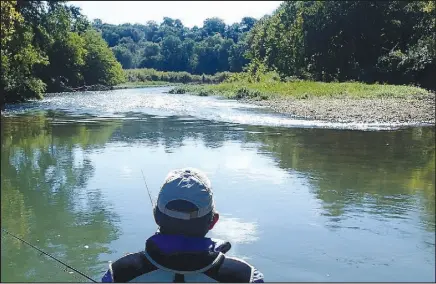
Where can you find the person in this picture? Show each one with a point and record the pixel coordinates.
(180, 251)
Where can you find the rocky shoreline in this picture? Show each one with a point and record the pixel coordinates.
(413, 110)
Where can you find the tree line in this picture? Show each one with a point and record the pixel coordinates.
(48, 46)
(368, 41)
(170, 46)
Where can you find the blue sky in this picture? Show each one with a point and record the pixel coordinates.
(189, 12)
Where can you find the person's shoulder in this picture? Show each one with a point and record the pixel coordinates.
(130, 258)
(240, 270)
(130, 266)
(136, 260)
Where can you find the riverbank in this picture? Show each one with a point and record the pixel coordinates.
(336, 102)
(416, 110)
(135, 85)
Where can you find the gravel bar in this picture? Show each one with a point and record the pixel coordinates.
(414, 110)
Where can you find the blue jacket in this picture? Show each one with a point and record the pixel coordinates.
(169, 258)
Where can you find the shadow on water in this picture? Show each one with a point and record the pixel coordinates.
(44, 169)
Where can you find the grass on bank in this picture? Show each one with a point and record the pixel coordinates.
(133, 85)
(261, 87)
(146, 77)
(270, 87)
(152, 75)
(300, 90)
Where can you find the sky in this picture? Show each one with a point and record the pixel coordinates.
(189, 12)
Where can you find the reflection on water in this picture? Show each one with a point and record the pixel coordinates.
(363, 172)
(236, 230)
(301, 204)
(44, 199)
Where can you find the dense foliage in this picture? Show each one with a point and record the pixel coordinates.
(369, 41)
(49, 46)
(170, 46)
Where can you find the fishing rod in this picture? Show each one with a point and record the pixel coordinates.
(52, 257)
(149, 195)
(59, 261)
(257, 254)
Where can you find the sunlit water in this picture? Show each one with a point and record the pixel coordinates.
(114, 104)
(300, 200)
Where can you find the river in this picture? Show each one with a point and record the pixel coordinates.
(300, 200)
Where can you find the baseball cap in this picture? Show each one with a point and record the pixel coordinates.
(189, 185)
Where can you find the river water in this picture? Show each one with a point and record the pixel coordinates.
(300, 200)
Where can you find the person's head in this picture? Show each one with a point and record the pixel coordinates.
(185, 204)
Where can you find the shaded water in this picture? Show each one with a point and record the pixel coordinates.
(301, 204)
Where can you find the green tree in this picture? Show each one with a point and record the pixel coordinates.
(49, 46)
(170, 46)
(124, 56)
(211, 55)
(214, 25)
(171, 50)
(111, 38)
(237, 56)
(348, 40)
(151, 57)
(100, 66)
(67, 57)
(18, 57)
(247, 24)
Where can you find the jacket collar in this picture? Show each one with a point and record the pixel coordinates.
(181, 253)
(171, 244)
